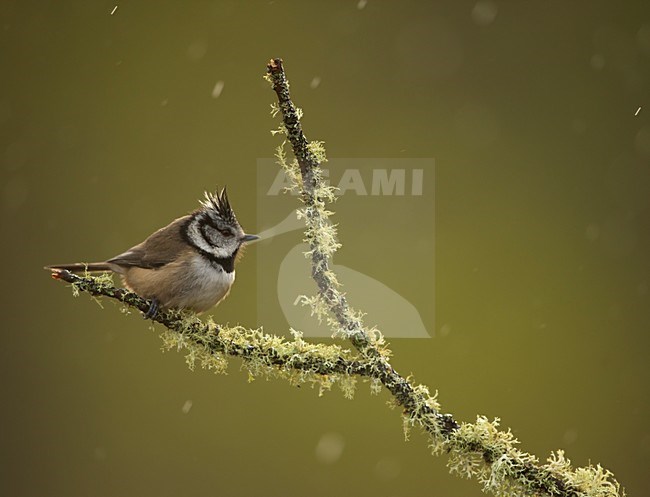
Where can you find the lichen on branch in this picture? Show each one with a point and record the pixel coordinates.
(210, 345)
(478, 450)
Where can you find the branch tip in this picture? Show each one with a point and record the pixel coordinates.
(59, 274)
(275, 66)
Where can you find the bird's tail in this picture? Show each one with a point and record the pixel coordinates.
(82, 267)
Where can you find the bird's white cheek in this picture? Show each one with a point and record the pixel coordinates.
(221, 252)
(197, 238)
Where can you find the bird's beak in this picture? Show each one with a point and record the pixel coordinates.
(249, 238)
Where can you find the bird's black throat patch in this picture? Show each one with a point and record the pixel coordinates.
(225, 263)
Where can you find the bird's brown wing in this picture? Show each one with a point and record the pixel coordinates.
(161, 248)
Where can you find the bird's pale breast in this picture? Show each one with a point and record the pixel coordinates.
(190, 282)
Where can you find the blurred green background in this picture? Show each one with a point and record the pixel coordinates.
(110, 126)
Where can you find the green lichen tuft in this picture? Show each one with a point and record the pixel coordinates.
(93, 284)
(595, 481)
(290, 168)
(280, 130)
(317, 148)
(318, 306)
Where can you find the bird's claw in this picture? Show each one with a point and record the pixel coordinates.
(153, 309)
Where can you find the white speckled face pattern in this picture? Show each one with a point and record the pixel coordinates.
(214, 230)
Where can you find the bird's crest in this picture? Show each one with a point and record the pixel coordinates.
(219, 203)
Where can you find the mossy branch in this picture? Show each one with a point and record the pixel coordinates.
(476, 450)
(210, 344)
(314, 195)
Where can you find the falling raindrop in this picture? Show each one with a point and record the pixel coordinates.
(642, 142)
(445, 330)
(597, 62)
(218, 88)
(329, 448)
(484, 12)
(99, 453)
(197, 50)
(570, 436)
(387, 468)
(643, 38)
(592, 232)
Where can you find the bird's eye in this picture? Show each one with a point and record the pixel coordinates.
(226, 233)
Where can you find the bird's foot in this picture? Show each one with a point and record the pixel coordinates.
(153, 309)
